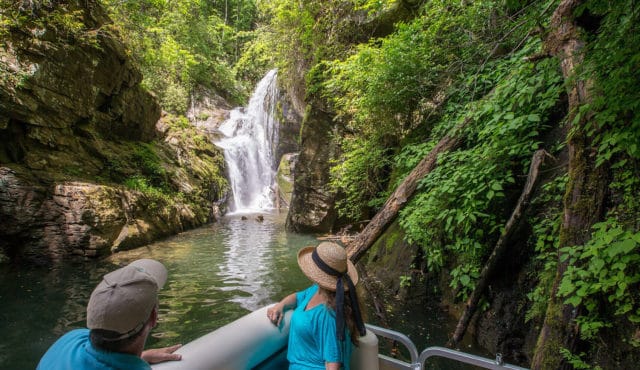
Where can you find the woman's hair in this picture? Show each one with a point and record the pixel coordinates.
(348, 313)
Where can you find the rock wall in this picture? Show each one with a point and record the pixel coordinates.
(54, 84)
(499, 328)
(312, 206)
(75, 126)
(42, 224)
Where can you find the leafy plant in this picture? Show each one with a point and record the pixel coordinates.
(157, 198)
(577, 360)
(545, 237)
(150, 165)
(360, 175)
(385, 81)
(607, 268)
(456, 212)
(463, 279)
(181, 44)
(612, 58)
(405, 281)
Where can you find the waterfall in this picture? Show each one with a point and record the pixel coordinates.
(250, 144)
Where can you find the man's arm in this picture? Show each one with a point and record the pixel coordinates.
(155, 355)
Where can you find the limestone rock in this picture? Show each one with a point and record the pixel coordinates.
(285, 179)
(81, 219)
(75, 127)
(312, 203)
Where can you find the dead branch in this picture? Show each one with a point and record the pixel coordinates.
(500, 247)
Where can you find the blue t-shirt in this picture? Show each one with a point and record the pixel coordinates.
(312, 336)
(74, 351)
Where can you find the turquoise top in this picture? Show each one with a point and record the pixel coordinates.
(312, 336)
(74, 351)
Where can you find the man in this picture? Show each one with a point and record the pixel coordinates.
(121, 312)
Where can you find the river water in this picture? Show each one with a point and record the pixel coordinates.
(217, 274)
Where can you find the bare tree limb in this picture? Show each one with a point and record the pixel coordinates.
(500, 248)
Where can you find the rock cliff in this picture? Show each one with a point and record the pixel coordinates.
(87, 165)
(312, 206)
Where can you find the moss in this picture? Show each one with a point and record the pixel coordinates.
(550, 342)
(390, 250)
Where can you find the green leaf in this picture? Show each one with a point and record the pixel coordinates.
(622, 247)
(465, 280)
(574, 301)
(566, 287)
(596, 265)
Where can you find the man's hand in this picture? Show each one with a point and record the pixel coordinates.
(153, 356)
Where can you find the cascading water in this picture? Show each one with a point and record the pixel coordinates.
(250, 144)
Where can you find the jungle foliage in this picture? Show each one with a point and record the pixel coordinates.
(395, 95)
(183, 44)
(484, 61)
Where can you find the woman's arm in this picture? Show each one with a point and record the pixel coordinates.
(275, 313)
(332, 366)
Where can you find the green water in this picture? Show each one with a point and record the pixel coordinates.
(217, 274)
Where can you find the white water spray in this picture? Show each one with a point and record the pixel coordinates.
(250, 145)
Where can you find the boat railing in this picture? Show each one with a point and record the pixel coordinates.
(418, 360)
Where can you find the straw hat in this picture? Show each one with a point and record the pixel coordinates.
(333, 256)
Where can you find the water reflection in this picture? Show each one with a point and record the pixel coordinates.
(217, 274)
(221, 272)
(248, 263)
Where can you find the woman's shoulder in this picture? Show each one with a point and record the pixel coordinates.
(308, 292)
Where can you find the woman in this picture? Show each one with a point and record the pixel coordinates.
(324, 326)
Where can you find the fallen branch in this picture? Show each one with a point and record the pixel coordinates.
(500, 247)
(378, 305)
(402, 194)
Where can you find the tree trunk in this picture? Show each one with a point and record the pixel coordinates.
(585, 193)
(500, 248)
(402, 194)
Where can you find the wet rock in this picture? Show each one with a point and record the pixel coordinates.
(285, 179)
(312, 202)
(81, 219)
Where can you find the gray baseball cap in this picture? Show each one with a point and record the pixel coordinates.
(124, 299)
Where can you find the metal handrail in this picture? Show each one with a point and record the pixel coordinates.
(466, 358)
(417, 361)
(391, 334)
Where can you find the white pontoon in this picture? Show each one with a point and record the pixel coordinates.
(253, 342)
